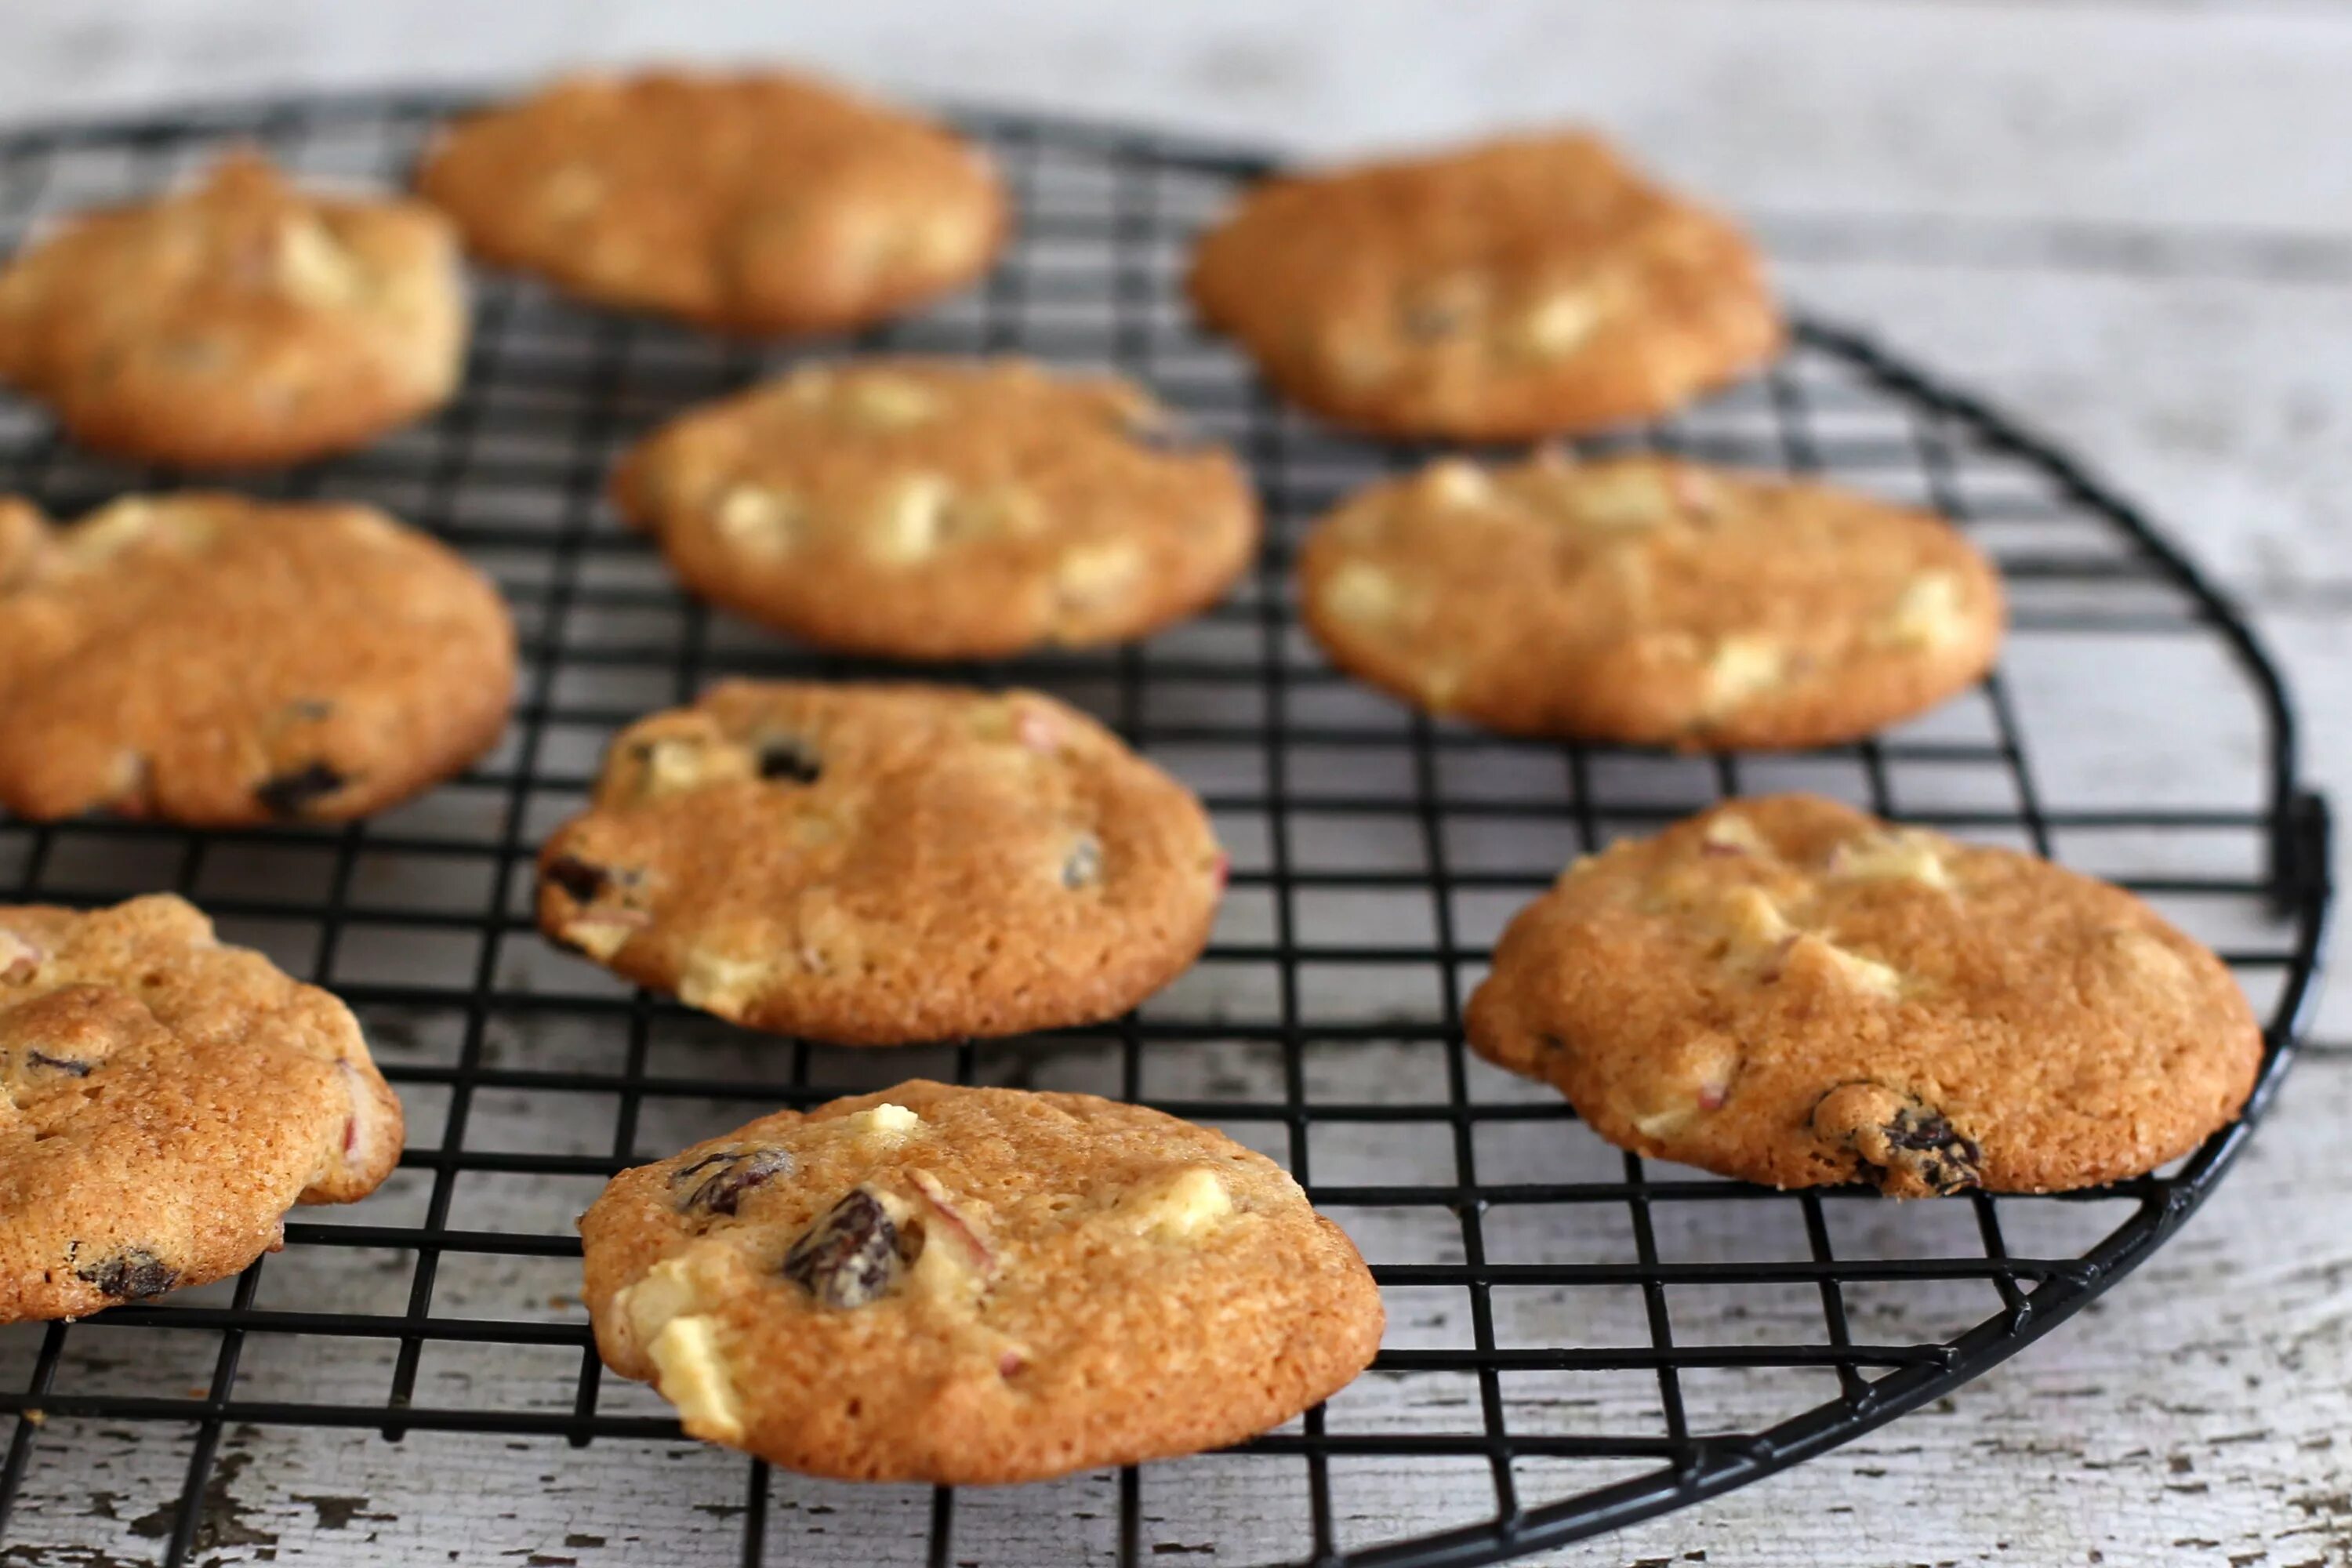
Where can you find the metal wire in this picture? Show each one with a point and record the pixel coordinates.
(1331, 798)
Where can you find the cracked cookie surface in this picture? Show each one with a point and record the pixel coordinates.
(241, 324)
(944, 509)
(761, 203)
(1526, 286)
(973, 1285)
(879, 863)
(216, 661)
(163, 1100)
(1789, 991)
(1649, 601)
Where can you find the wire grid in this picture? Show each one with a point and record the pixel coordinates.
(1578, 1337)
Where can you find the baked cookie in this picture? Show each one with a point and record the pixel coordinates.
(1789, 991)
(971, 1286)
(757, 204)
(1647, 601)
(212, 660)
(941, 509)
(241, 324)
(163, 1100)
(1517, 288)
(879, 863)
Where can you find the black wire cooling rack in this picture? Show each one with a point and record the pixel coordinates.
(1577, 1338)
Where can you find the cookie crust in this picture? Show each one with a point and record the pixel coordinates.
(755, 203)
(944, 509)
(163, 1100)
(1532, 286)
(1649, 601)
(242, 323)
(882, 864)
(216, 661)
(1066, 1283)
(1789, 991)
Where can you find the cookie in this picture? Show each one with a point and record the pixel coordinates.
(242, 323)
(1789, 991)
(1520, 287)
(760, 203)
(971, 1286)
(163, 1102)
(1648, 601)
(942, 509)
(882, 864)
(212, 660)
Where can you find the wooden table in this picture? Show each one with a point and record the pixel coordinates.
(2129, 222)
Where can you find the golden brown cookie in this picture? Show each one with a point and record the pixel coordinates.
(163, 1100)
(1789, 991)
(971, 1286)
(1648, 601)
(944, 509)
(1520, 287)
(759, 203)
(240, 323)
(212, 660)
(882, 864)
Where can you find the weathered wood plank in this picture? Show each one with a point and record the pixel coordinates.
(2125, 220)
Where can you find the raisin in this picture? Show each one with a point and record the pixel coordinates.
(789, 760)
(716, 1182)
(290, 795)
(1084, 863)
(132, 1274)
(1904, 1145)
(851, 1255)
(577, 877)
(58, 1064)
(1939, 1155)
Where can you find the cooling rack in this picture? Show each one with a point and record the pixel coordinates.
(1579, 1338)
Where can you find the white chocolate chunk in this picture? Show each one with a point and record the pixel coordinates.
(1899, 856)
(911, 521)
(1457, 482)
(718, 984)
(111, 529)
(2136, 952)
(1557, 325)
(759, 520)
(1090, 575)
(310, 267)
(18, 957)
(690, 1374)
(1657, 1124)
(890, 402)
(1733, 832)
(1927, 614)
(672, 767)
(1178, 1207)
(1630, 498)
(956, 1263)
(1742, 668)
(1753, 921)
(1865, 974)
(601, 933)
(883, 1123)
(943, 238)
(664, 1292)
(1360, 590)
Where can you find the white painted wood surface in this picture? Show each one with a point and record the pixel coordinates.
(2130, 222)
